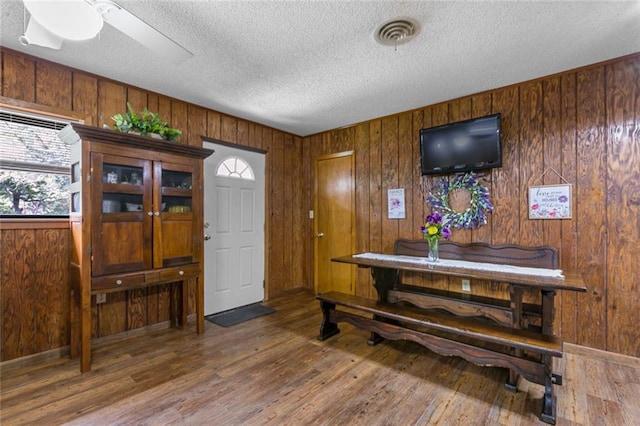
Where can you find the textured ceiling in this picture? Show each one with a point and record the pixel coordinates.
(309, 66)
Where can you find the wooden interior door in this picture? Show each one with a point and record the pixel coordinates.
(334, 223)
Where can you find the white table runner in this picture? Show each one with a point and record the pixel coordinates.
(481, 266)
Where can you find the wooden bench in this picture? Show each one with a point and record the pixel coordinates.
(486, 331)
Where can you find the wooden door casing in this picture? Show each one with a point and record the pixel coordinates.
(334, 224)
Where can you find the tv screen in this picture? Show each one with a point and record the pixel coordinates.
(461, 147)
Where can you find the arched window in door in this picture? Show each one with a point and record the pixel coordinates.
(235, 167)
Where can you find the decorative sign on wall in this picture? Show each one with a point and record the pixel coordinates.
(395, 203)
(550, 202)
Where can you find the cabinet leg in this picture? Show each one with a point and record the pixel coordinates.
(199, 304)
(85, 339)
(184, 302)
(74, 325)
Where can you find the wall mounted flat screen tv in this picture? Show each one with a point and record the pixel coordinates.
(461, 147)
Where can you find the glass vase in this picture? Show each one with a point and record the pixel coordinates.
(433, 250)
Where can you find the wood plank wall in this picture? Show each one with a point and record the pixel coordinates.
(585, 124)
(33, 288)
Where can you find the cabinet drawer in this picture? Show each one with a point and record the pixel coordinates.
(117, 282)
(179, 273)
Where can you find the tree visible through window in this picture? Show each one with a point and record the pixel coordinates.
(34, 166)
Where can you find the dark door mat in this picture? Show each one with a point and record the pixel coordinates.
(238, 315)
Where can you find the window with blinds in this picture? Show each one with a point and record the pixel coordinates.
(34, 166)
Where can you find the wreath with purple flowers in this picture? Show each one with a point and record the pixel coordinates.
(475, 215)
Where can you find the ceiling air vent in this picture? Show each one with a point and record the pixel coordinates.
(397, 31)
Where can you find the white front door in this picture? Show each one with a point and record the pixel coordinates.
(234, 187)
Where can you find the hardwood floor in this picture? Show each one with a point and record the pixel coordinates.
(273, 371)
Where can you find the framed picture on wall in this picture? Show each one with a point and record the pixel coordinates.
(550, 202)
(395, 203)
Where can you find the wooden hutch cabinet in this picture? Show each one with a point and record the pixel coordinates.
(136, 221)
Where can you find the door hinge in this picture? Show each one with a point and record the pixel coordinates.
(89, 250)
(263, 285)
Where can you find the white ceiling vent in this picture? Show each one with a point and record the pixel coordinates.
(397, 31)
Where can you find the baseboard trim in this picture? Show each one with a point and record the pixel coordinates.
(621, 359)
(33, 359)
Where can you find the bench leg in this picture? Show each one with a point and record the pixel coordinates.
(327, 328)
(548, 414)
(512, 382)
(375, 337)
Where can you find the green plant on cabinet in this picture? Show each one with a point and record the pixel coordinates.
(145, 123)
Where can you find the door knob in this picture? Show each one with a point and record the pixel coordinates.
(207, 237)
(320, 234)
(206, 224)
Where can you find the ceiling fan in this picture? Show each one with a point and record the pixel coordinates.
(53, 21)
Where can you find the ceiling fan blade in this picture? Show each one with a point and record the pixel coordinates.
(126, 22)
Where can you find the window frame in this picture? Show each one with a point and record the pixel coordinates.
(237, 175)
(47, 113)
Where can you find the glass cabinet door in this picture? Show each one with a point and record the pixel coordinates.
(174, 228)
(122, 202)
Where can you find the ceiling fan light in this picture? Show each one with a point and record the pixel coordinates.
(38, 35)
(69, 19)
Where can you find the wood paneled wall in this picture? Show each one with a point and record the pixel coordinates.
(34, 289)
(585, 124)
(33, 285)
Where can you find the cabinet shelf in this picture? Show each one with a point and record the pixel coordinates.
(177, 216)
(123, 188)
(125, 216)
(176, 192)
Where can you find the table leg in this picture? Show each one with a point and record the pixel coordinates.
(515, 297)
(548, 311)
(548, 414)
(384, 279)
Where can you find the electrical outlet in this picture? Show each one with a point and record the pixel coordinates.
(466, 285)
(101, 298)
